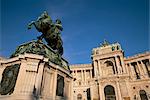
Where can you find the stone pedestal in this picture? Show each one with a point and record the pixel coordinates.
(35, 72)
(36, 79)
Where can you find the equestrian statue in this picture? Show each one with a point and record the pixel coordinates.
(50, 31)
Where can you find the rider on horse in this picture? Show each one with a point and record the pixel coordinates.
(50, 31)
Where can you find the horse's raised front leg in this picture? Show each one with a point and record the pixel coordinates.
(30, 24)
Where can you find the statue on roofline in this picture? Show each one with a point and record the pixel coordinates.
(105, 43)
(50, 31)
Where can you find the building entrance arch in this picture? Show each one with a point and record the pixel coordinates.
(79, 97)
(109, 93)
(143, 95)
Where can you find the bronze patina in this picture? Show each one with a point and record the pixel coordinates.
(50, 31)
(9, 78)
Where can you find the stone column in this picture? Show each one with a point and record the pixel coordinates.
(54, 84)
(132, 71)
(144, 69)
(39, 78)
(71, 90)
(118, 91)
(51, 84)
(45, 87)
(91, 73)
(118, 65)
(20, 78)
(128, 88)
(122, 63)
(127, 69)
(100, 69)
(76, 73)
(95, 69)
(66, 88)
(140, 69)
(116, 68)
(98, 84)
(85, 75)
(101, 91)
(82, 75)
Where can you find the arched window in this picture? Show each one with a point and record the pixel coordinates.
(111, 65)
(109, 93)
(79, 97)
(143, 95)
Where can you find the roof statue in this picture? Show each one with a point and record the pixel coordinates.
(105, 43)
(50, 31)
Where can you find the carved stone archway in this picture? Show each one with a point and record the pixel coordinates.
(79, 97)
(143, 95)
(109, 93)
(110, 67)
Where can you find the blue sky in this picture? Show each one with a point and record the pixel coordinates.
(86, 24)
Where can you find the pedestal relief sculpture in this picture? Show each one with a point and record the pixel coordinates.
(8, 81)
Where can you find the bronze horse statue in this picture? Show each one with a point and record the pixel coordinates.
(50, 31)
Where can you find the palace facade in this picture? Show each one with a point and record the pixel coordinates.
(112, 76)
